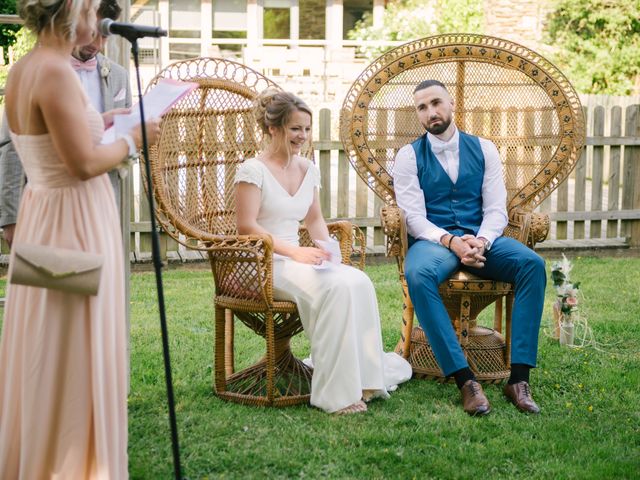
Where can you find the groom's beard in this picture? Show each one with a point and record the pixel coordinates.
(438, 128)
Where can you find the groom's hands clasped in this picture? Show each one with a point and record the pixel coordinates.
(468, 248)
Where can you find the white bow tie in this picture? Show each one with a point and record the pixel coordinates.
(451, 146)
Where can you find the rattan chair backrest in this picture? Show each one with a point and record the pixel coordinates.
(502, 91)
(204, 137)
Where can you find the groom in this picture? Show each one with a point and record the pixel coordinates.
(450, 186)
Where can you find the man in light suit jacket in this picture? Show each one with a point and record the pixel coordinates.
(107, 86)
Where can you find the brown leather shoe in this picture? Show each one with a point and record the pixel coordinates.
(520, 395)
(474, 401)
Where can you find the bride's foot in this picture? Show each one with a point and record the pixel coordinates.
(357, 407)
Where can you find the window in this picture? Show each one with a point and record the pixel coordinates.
(230, 16)
(185, 19)
(277, 23)
(312, 19)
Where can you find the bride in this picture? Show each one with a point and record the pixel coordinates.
(337, 304)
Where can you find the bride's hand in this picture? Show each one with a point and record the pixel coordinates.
(310, 255)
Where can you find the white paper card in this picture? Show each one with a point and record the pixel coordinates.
(156, 102)
(333, 248)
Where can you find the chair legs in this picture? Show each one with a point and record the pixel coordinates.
(278, 379)
(488, 352)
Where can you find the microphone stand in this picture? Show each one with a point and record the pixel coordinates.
(157, 263)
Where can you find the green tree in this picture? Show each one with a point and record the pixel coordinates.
(23, 42)
(413, 19)
(597, 43)
(7, 32)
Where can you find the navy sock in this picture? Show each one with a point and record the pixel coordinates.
(519, 373)
(462, 375)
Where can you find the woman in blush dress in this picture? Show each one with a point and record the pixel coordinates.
(337, 305)
(63, 356)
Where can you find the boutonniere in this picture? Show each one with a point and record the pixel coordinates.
(105, 68)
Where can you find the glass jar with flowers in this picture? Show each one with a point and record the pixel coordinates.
(567, 301)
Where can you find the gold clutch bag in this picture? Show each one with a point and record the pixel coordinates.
(72, 271)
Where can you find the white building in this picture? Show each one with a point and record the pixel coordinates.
(300, 44)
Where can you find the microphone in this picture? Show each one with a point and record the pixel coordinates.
(129, 31)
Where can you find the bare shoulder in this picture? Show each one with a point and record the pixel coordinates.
(39, 74)
(51, 70)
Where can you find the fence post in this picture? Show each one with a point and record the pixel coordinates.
(613, 200)
(631, 179)
(580, 188)
(343, 185)
(562, 206)
(597, 172)
(325, 163)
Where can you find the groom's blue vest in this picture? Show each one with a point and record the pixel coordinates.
(457, 207)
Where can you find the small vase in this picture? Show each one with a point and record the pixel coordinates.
(566, 331)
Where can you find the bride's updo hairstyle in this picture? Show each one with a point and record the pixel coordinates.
(59, 15)
(273, 108)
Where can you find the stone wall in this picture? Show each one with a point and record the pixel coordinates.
(520, 21)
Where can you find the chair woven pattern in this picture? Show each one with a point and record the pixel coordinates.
(485, 355)
(502, 91)
(205, 136)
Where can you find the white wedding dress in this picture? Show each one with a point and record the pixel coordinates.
(337, 305)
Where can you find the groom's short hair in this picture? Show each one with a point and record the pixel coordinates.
(428, 83)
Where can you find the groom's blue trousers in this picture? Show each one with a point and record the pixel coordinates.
(428, 264)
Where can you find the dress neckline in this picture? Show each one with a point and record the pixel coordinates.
(306, 174)
(17, 135)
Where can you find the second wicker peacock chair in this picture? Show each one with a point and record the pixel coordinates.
(204, 138)
(504, 92)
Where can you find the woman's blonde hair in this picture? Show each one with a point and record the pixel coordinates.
(273, 108)
(61, 16)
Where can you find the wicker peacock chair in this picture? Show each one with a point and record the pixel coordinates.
(204, 137)
(502, 91)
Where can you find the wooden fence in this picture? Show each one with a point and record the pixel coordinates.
(598, 205)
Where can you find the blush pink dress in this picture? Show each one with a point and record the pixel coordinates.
(63, 357)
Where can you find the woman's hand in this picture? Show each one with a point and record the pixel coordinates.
(153, 132)
(107, 117)
(310, 255)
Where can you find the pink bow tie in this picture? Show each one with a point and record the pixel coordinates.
(88, 66)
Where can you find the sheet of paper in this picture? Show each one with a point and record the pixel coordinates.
(333, 248)
(156, 102)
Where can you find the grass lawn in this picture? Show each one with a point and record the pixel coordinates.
(590, 399)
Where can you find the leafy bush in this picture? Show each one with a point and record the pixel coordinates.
(597, 43)
(411, 19)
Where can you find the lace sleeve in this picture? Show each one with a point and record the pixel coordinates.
(249, 172)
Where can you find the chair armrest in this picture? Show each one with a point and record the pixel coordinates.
(539, 227)
(527, 227)
(352, 241)
(242, 268)
(395, 229)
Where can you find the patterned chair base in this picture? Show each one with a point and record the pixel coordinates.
(485, 354)
(487, 350)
